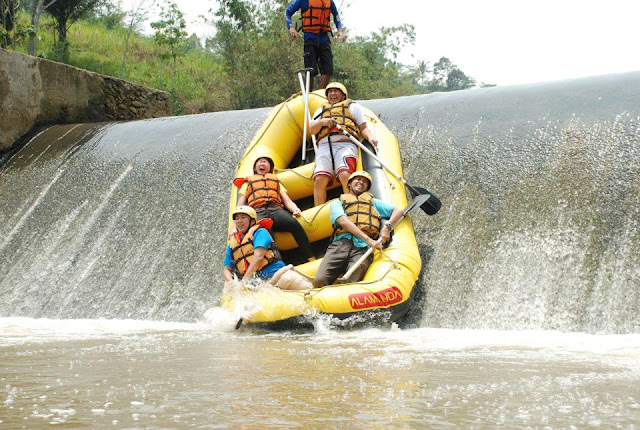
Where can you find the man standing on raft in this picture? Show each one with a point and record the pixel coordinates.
(316, 26)
(336, 153)
(359, 220)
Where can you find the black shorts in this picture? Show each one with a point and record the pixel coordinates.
(318, 56)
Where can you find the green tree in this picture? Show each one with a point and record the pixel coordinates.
(137, 14)
(255, 50)
(448, 77)
(7, 21)
(65, 13)
(458, 80)
(422, 73)
(36, 7)
(368, 65)
(170, 32)
(109, 14)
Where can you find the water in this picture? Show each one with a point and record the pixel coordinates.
(136, 374)
(111, 245)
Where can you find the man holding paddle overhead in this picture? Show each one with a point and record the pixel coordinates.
(360, 221)
(336, 153)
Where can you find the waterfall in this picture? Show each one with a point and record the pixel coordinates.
(539, 226)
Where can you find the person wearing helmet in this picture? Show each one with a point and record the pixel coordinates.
(264, 193)
(359, 220)
(336, 155)
(316, 26)
(250, 252)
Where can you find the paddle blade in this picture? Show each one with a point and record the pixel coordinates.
(431, 204)
(239, 182)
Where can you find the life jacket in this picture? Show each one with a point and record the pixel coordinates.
(343, 116)
(242, 251)
(360, 210)
(317, 19)
(263, 189)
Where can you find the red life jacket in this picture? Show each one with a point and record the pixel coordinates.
(242, 251)
(263, 189)
(343, 116)
(317, 19)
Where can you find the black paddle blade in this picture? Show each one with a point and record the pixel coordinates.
(432, 204)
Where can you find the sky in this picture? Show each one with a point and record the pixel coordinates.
(502, 42)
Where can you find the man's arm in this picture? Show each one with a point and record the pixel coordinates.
(290, 204)
(316, 124)
(349, 226)
(368, 134)
(288, 14)
(337, 21)
(385, 231)
(258, 255)
(227, 268)
(363, 125)
(227, 273)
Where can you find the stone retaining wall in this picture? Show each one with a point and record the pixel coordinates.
(36, 92)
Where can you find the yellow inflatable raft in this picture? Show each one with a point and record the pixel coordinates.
(387, 289)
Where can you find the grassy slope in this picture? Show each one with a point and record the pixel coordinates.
(199, 79)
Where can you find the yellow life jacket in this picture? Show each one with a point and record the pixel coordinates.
(360, 210)
(263, 189)
(317, 19)
(343, 116)
(242, 251)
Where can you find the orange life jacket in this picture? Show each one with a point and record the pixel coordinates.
(361, 212)
(242, 251)
(343, 116)
(317, 19)
(263, 189)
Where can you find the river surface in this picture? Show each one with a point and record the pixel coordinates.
(143, 374)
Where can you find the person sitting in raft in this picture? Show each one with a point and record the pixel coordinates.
(264, 193)
(359, 220)
(250, 253)
(336, 153)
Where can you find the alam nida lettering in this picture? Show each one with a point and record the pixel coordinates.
(386, 297)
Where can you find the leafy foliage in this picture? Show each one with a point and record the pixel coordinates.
(249, 63)
(7, 21)
(448, 77)
(170, 33)
(65, 13)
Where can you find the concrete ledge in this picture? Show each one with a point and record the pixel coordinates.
(36, 92)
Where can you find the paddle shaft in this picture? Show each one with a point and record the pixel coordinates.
(304, 89)
(431, 205)
(368, 151)
(307, 114)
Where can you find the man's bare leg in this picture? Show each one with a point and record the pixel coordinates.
(320, 190)
(293, 280)
(343, 176)
(324, 81)
(275, 278)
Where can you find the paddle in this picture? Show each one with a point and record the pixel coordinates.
(419, 201)
(307, 115)
(431, 205)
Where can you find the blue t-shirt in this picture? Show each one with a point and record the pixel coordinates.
(304, 5)
(337, 210)
(261, 239)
